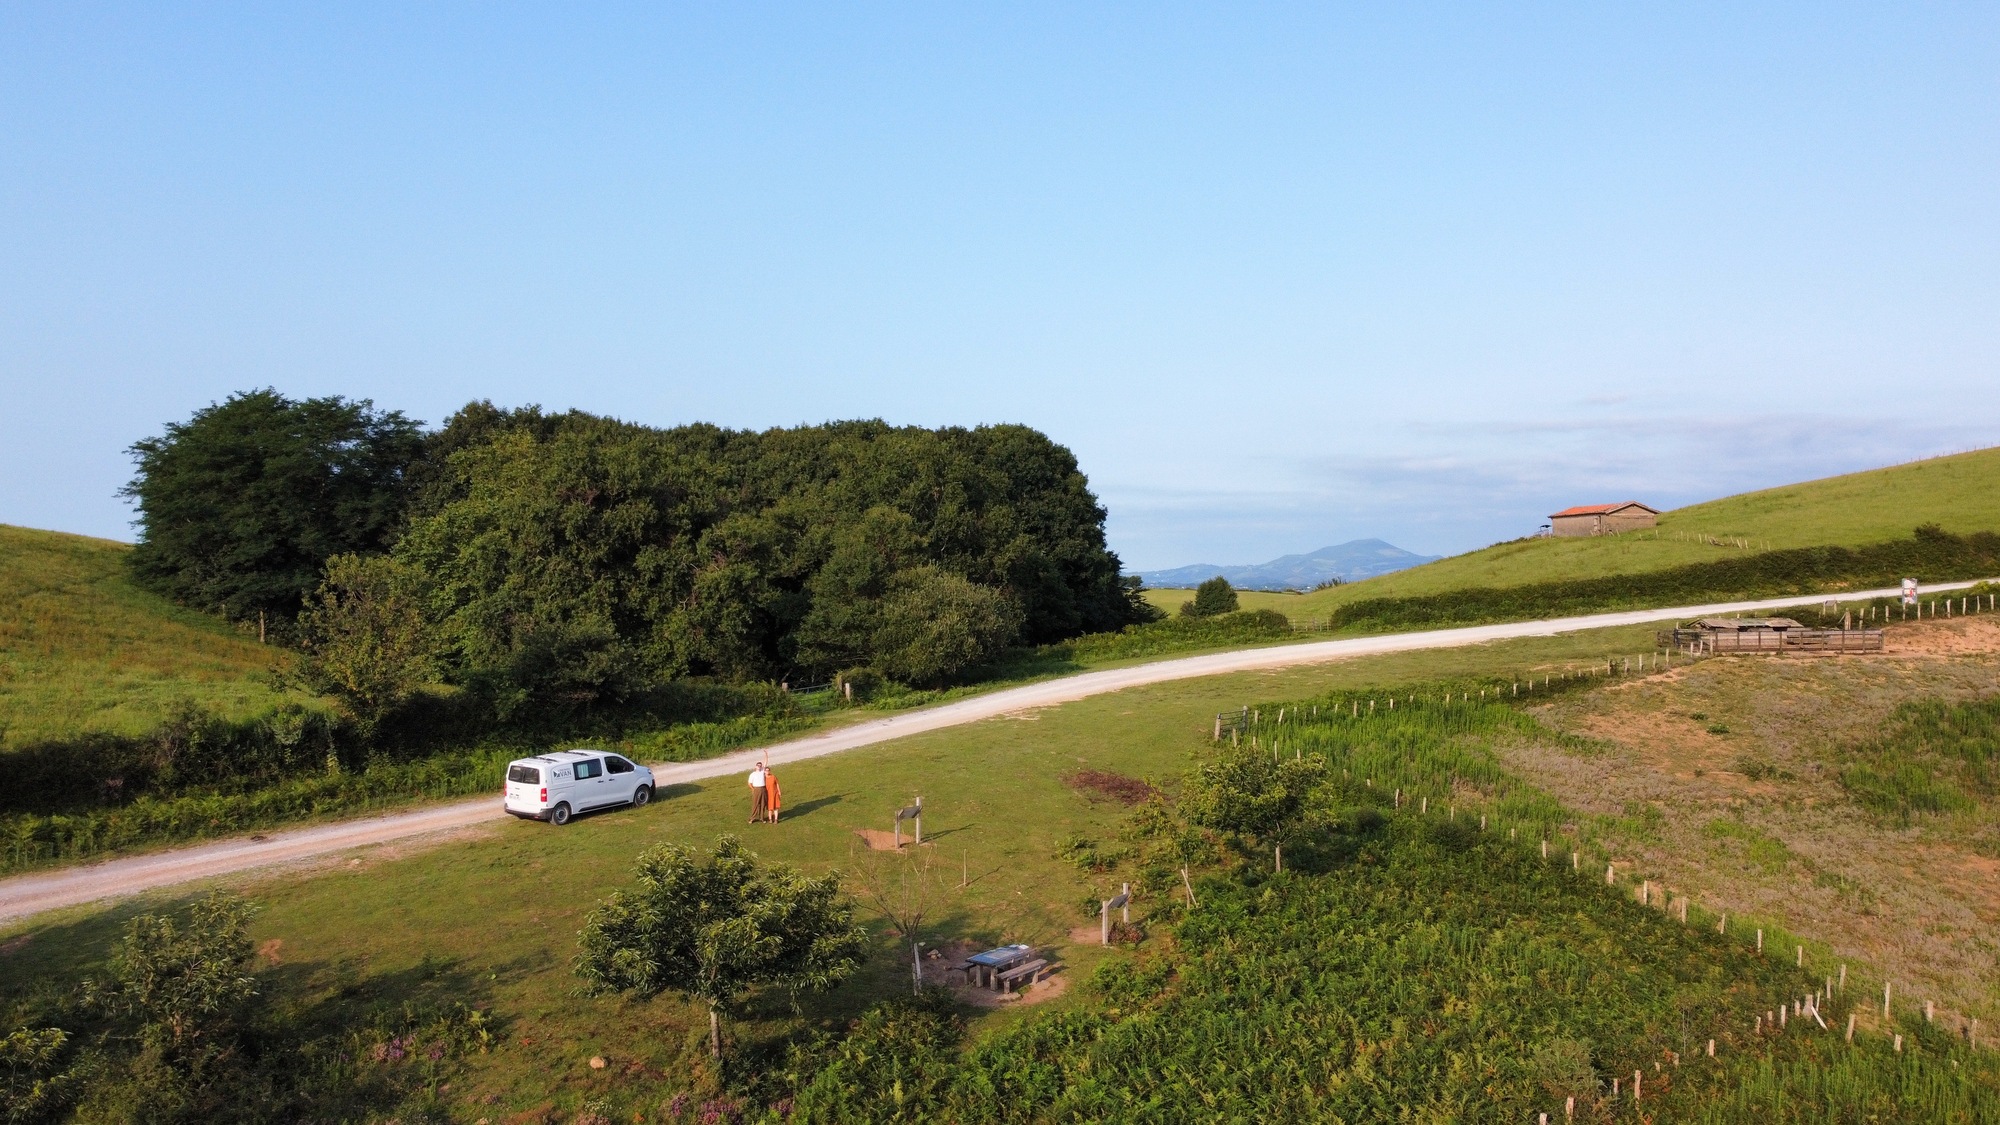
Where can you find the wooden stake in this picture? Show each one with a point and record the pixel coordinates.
(1850, 1027)
(1885, 999)
(1711, 1048)
(1186, 882)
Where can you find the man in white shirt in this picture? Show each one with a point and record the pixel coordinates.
(757, 804)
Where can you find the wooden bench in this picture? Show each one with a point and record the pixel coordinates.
(1027, 971)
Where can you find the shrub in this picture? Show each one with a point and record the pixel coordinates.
(935, 624)
(1212, 598)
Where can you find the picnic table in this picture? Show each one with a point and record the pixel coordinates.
(985, 968)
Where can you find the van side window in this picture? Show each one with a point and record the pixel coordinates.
(587, 770)
(618, 764)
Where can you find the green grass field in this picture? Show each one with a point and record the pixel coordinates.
(1960, 493)
(492, 919)
(84, 650)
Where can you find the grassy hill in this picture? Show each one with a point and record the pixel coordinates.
(1439, 968)
(84, 650)
(1960, 493)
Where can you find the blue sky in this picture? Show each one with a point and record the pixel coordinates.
(1280, 275)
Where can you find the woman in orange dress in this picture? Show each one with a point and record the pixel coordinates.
(771, 796)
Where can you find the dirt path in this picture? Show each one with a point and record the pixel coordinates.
(26, 895)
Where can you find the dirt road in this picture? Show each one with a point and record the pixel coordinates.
(26, 895)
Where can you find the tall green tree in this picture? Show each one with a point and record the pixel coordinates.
(242, 504)
(712, 927)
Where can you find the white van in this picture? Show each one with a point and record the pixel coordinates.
(555, 787)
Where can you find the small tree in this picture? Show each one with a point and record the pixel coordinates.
(713, 927)
(1211, 599)
(185, 981)
(1248, 793)
(908, 888)
(935, 624)
(365, 635)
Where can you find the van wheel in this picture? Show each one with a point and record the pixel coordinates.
(559, 815)
(641, 795)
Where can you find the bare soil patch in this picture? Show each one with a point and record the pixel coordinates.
(1957, 636)
(879, 841)
(1721, 781)
(1103, 785)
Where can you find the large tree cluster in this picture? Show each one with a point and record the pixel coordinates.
(544, 557)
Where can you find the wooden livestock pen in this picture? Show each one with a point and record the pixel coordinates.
(1776, 635)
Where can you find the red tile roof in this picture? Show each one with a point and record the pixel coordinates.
(1601, 509)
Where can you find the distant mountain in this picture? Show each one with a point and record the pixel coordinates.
(1349, 562)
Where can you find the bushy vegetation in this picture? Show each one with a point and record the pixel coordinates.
(1935, 757)
(1419, 961)
(1931, 554)
(1178, 634)
(544, 560)
(179, 1027)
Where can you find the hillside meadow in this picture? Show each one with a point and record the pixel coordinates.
(1960, 493)
(84, 650)
(1017, 851)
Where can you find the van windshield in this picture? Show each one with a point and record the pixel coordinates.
(526, 775)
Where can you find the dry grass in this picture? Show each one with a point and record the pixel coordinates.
(1751, 818)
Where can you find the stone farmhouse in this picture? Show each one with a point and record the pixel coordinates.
(1602, 519)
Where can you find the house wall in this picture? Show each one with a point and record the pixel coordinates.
(1630, 519)
(1574, 525)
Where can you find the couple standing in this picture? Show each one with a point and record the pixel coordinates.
(764, 796)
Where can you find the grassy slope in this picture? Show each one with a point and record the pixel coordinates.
(1961, 493)
(493, 920)
(82, 649)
